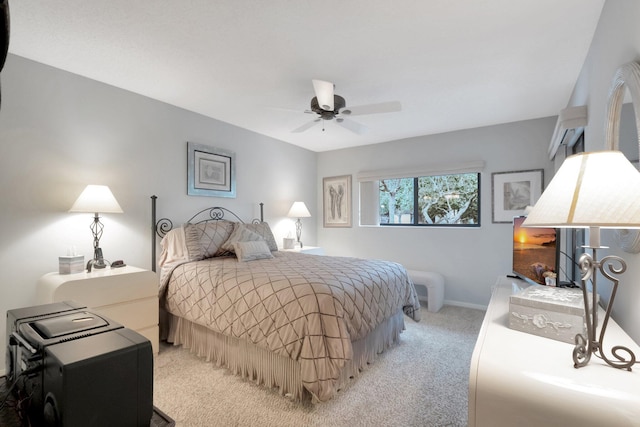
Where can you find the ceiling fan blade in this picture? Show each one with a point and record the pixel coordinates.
(305, 126)
(324, 93)
(354, 127)
(281, 109)
(383, 107)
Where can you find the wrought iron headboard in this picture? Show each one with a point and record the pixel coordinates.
(160, 227)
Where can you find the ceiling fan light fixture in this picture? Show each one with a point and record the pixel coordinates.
(324, 93)
(328, 106)
(338, 103)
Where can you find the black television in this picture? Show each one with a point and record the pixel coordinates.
(72, 367)
(536, 253)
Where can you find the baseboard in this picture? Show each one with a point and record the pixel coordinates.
(466, 305)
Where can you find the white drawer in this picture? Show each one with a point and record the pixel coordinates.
(135, 314)
(151, 333)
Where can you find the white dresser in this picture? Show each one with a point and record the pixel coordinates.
(127, 295)
(519, 379)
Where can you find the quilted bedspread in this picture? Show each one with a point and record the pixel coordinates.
(305, 307)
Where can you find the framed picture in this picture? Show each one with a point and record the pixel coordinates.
(336, 201)
(513, 191)
(210, 171)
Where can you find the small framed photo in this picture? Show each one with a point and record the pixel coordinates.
(513, 191)
(336, 201)
(210, 171)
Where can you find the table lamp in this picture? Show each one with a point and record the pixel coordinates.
(593, 190)
(96, 199)
(299, 210)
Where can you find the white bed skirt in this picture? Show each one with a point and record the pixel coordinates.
(272, 370)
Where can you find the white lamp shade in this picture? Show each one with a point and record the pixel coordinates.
(299, 210)
(598, 189)
(96, 198)
(324, 93)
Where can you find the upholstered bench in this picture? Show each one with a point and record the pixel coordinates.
(433, 286)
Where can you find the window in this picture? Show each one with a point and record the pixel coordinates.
(451, 200)
(429, 195)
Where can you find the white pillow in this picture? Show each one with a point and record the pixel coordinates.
(174, 248)
(252, 250)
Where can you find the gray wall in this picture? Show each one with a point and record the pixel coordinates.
(60, 132)
(471, 259)
(616, 42)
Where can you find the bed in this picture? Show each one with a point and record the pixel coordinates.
(304, 324)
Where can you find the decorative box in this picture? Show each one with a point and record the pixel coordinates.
(556, 313)
(288, 243)
(71, 264)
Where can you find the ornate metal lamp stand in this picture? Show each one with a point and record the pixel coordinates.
(96, 229)
(586, 346)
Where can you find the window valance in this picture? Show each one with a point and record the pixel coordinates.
(424, 170)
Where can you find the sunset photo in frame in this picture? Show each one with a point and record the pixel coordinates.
(336, 200)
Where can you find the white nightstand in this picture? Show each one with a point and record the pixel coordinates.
(314, 250)
(525, 380)
(127, 295)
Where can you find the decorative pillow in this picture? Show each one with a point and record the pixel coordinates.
(240, 234)
(252, 250)
(205, 240)
(263, 229)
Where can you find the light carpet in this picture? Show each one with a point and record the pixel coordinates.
(422, 381)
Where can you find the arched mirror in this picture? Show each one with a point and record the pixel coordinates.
(4, 31)
(622, 131)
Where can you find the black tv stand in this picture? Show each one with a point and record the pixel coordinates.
(567, 285)
(10, 416)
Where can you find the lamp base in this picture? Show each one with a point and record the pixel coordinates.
(97, 261)
(592, 343)
(299, 231)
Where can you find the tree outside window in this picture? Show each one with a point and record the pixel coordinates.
(451, 200)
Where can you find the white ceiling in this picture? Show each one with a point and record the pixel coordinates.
(453, 64)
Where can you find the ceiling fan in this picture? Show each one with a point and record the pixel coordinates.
(328, 106)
